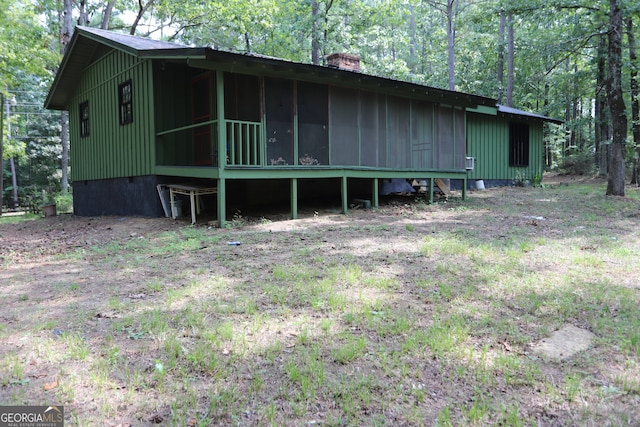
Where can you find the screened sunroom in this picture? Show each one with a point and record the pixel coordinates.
(277, 122)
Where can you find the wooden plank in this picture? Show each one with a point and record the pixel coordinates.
(165, 207)
(443, 187)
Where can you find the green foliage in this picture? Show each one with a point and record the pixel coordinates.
(521, 179)
(401, 39)
(64, 202)
(22, 36)
(578, 163)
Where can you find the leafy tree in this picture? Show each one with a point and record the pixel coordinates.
(548, 57)
(21, 36)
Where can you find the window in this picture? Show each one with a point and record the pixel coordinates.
(125, 102)
(518, 144)
(84, 119)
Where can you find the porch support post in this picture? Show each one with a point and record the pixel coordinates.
(431, 180)
(294, 198)
(374, 197)
(464, 188)
(222, 205)
(222, 150)
(344, 194)
(222, 126)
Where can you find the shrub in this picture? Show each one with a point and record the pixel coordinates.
(579, 163)
(64, 202)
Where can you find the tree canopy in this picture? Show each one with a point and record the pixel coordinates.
(549, 58)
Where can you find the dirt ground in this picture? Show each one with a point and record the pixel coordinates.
(67, 232)
(30, 250)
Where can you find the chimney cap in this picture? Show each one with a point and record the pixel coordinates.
(344, 61)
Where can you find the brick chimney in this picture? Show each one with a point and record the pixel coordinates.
(344, 61)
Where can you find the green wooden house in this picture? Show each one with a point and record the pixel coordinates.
(145, 113)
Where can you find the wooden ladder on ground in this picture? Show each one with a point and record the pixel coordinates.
(443, 187)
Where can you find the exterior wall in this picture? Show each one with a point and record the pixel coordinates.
(118, 196)
(113, 150)
(488, 143)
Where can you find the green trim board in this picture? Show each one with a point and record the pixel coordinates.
(484, 109)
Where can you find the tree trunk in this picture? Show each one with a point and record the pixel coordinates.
(575, 113)
(315, 35)
(451, 45)
(83, 18)
(616, 181)
(106, 15)
(14, 200)
(500, 75)
(14, 182)
(65, 36)
(413, 61)
(635, 102)
(325, 38)
(510, 55)
(548, 152)
(66, 31)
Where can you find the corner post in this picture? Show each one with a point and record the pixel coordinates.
(431, 180)
(294, 198)
(222, 126)
(374, 197)
(464, 188)
(222, 150)
(343, 192)
(222, 204)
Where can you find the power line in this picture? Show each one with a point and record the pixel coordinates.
(25, 91)
(35, 136)
(44, 113)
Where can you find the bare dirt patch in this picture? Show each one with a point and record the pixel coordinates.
(564, 343)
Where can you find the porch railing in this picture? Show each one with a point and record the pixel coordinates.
(243, 143)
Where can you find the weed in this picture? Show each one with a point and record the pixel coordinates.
(572, 386)
(444, 418)
(325, 325)
(154, 286)
(349, 351)
(478, 410)
(77, 348)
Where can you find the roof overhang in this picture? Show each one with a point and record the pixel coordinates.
(276, 67)
(84, 45)
(525, 115)
(86, 42)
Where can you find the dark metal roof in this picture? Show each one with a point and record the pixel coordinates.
(86, 42)
(125, 41)
(83, 47)
(515, 112)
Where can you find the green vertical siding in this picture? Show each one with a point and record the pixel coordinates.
(112, 150)
(488, 143)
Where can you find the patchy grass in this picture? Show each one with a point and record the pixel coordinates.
(413, 314)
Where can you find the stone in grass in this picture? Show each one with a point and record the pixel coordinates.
(563, 343)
